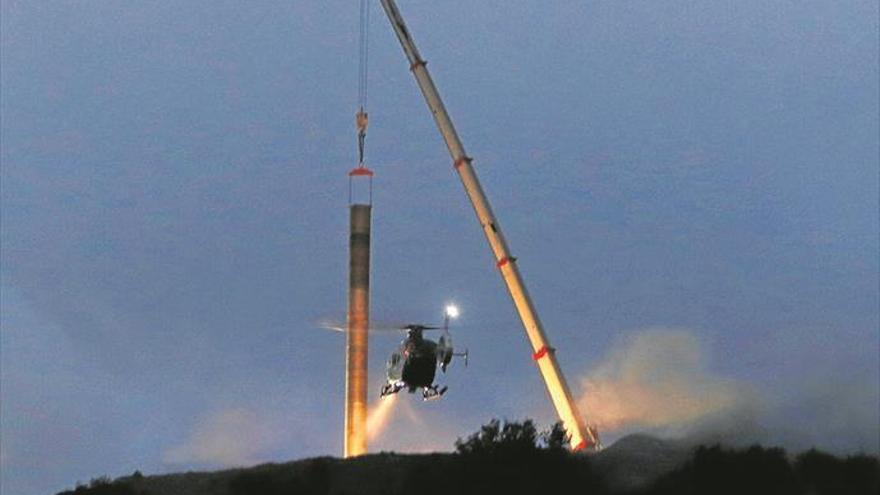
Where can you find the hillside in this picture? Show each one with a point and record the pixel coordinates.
(637, 464)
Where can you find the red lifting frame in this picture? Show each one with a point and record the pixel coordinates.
(360, 171)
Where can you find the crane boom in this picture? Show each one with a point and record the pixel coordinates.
(544, 355)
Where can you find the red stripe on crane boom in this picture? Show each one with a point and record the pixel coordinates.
(541, 353)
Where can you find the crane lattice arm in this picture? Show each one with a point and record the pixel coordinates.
(581, 436)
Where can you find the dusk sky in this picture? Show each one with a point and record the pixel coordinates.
(690, 187)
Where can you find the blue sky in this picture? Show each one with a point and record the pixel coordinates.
(695, 177)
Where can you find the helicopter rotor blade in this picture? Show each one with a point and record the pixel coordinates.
(342, 326)
(422, 327)
(339, 323)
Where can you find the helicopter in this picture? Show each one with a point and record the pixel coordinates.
(414, 364)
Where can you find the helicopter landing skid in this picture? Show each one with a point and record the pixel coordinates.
(390, 389)
(433, 392)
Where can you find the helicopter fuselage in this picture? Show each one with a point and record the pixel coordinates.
(419, 363)
(414, 364)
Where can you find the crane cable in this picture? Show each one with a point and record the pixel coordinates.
(361, 119)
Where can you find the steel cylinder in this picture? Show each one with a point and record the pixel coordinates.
(356, 337)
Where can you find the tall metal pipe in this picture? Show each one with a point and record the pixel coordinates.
(543, 354)
(356, 338)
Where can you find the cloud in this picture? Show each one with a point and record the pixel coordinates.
(231, 437)
(656, 379)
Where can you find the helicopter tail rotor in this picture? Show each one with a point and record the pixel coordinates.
(462, 354)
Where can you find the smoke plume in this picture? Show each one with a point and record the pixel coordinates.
(656, 379)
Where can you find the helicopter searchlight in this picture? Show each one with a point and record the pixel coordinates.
(451, 311)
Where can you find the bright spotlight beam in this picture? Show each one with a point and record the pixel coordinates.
(452, 311)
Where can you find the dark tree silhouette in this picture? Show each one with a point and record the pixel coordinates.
(823, 473)
(102, 486)
(494, 437)
(720, 471)
(514, 458)
(556, 438)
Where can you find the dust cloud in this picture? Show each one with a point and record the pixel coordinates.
(656, 379)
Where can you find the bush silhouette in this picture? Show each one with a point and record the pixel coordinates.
(514, 458)
(102, 486)
(493, 438)
(262, 483)
(823, 473)
(759, 470)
